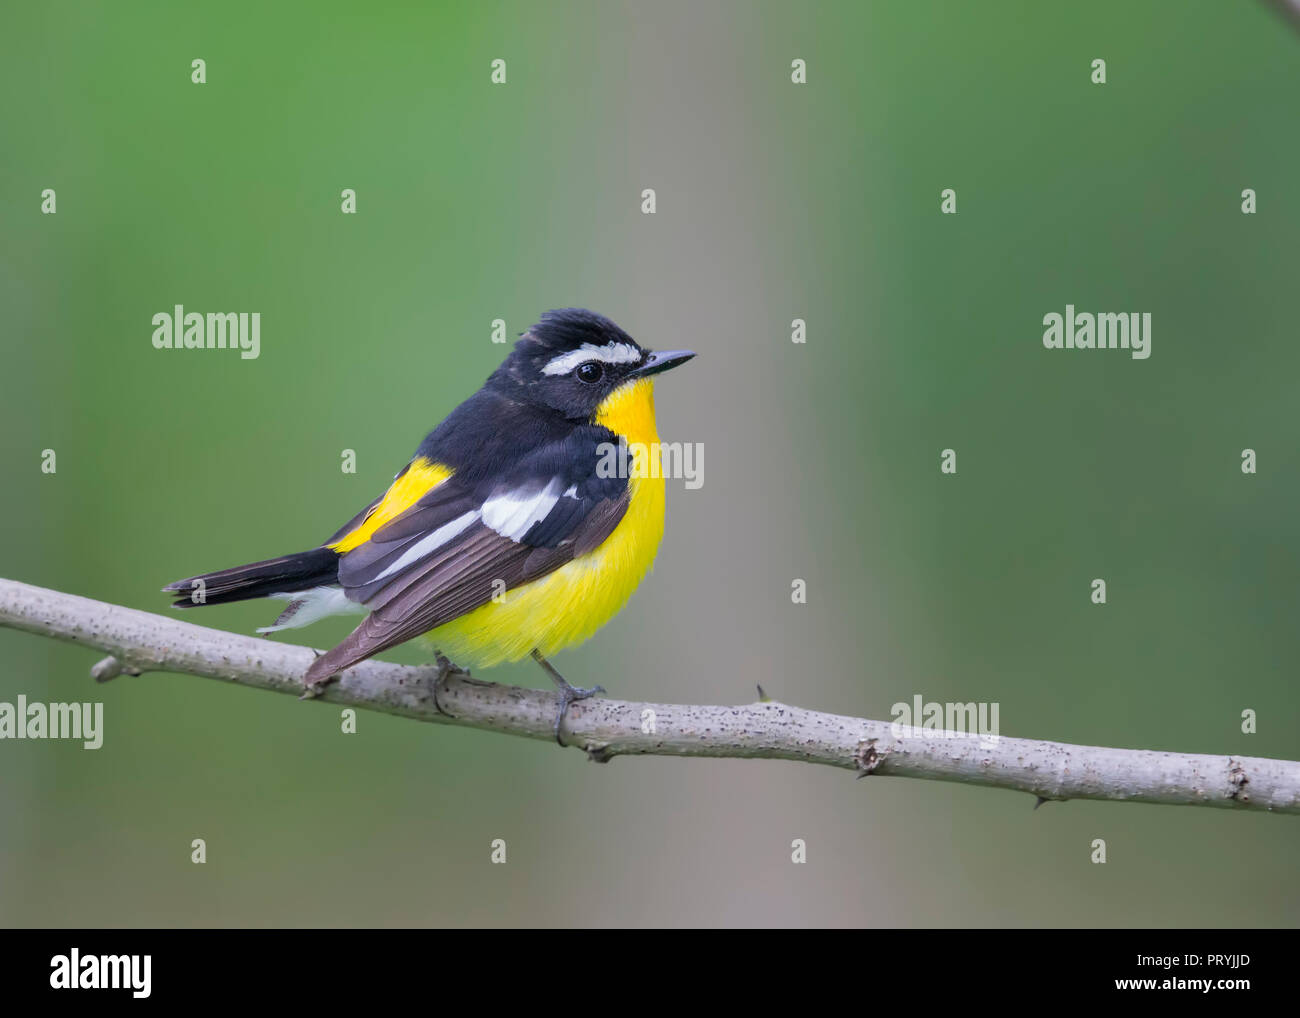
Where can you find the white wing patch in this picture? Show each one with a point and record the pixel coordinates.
(430, 543)
(610, 353)
(512, 513)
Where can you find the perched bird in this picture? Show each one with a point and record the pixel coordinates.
(523, 523)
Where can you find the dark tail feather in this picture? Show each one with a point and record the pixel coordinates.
(283, 575)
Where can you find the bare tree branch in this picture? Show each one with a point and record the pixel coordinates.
(141, 642)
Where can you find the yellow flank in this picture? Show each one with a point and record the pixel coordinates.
(567, 606)
(420, 478)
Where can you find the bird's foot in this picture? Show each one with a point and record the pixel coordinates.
(445, 668)
(565, 693)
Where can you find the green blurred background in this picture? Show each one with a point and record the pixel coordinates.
(775, 201)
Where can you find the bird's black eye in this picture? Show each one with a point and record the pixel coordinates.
(590, 372)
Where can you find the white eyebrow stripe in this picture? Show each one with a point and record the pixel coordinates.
(610, 353)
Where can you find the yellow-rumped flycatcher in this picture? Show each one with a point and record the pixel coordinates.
(523, 523)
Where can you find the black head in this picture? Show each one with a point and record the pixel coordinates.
(573, 359)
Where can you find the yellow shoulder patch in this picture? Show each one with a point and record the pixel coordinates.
(416, 481)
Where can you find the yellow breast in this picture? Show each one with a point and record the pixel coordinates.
(567, 606)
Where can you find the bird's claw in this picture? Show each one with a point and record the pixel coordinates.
(445, 668)
(567, 694)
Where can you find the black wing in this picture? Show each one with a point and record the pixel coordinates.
(451, 551)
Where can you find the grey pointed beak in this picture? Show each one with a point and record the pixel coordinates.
(662, 360)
